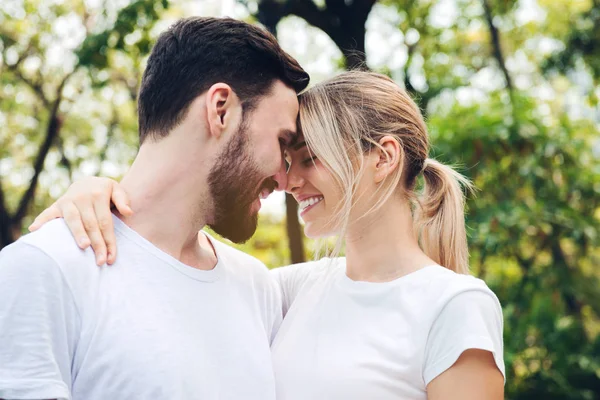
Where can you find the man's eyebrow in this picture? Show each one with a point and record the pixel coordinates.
(292, 137)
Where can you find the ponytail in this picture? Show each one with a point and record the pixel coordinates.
(440, 216)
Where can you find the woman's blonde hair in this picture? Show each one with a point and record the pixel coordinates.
(344, 117)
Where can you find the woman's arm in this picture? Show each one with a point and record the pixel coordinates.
(474, 376)
(86, 208)
(464, 351)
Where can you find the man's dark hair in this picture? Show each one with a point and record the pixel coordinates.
(196, 53)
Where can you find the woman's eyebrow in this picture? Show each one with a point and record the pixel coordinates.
(299, 145)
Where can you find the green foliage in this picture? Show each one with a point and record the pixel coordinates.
(96, 105)
(582, 43)
(130, 33)
(535, 237)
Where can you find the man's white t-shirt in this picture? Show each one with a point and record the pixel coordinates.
(147, 327)
(342, 339)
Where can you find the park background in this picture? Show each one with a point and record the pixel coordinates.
(509, 89)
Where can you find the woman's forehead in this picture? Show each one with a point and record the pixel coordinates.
(298, 146)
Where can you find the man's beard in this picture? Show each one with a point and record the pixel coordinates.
(235, 183)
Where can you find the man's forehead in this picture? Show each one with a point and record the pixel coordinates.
(285, 98)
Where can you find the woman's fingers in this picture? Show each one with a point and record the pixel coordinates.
(106, 227)
(74, 222)
(86, 208)
(48, 214)
(121, 200)
(92, 228)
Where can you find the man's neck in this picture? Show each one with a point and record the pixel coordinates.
(170, 200)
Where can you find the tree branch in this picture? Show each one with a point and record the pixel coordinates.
(407, 84)
(52, 131)
(64, 160)
(270, 12)
(14, 68)
(114, 122)
(35, 86)
(497, 48)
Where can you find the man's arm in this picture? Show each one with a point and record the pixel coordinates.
(38, 325)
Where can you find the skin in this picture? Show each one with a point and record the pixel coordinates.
(379, 248)
(474, 376)
(308, 178)
(163, 201)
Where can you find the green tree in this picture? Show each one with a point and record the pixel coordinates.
(534, 239)
(50, 90)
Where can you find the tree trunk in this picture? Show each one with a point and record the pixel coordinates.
(294, 230)
(6, 236)
(343, 21)
(11, 224)
(51, 134)
(353, 48)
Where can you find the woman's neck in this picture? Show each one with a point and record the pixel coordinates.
(382, 246)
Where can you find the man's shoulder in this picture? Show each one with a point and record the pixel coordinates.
(78, 267)
(237, 258)
(56, 241)
(49, 258)
(240, 263)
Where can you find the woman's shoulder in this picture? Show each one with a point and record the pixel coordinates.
(303, 271)
(441, 285)
(464, 313)
(292, 279)
(445, 280)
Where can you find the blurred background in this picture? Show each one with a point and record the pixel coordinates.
(509, 89)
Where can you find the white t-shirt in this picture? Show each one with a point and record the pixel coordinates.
(147, 327)
(342, 339)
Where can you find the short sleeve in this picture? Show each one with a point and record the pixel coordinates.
(275, 316)
(38, 326)
(290, 280)
(469, 320)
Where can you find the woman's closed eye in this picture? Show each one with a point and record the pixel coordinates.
(309, 160)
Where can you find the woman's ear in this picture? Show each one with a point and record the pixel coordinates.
(388, 157)
(221, 104)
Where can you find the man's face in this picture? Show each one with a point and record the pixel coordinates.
(252, 165)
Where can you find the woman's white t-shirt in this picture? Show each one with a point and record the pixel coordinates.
(343, 339)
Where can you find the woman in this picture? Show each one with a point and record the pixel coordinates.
(399, 317)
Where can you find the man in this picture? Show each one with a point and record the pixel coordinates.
(179, 315)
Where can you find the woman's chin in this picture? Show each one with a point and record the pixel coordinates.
(315, 230)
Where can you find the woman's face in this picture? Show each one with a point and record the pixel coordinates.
(314, 188)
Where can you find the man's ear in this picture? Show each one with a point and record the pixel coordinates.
(389, 156)
(221, 108)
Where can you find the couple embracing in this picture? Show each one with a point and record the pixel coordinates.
(225, 118)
